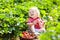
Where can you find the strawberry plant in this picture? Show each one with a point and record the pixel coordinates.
(14, 14)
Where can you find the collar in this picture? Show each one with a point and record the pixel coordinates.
(33, 18)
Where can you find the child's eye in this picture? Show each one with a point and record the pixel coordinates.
(32, 11)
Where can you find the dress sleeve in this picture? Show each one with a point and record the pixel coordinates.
(29, 20)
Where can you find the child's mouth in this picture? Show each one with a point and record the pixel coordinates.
(32, 14)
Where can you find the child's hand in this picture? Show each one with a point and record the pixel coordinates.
(30, 24)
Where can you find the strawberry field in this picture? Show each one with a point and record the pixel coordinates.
(14, 15)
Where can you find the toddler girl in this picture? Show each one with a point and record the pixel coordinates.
(36, 24)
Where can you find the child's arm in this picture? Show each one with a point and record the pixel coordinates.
(29, 23)
(41, 23)
(32, 23)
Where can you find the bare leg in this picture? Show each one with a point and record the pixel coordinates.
(32, 28)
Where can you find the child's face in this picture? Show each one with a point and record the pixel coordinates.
(33, 13)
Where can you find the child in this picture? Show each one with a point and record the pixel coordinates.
(35, 23)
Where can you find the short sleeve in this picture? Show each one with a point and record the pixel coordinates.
(29, 20)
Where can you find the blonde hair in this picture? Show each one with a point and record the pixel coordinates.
(37, 10)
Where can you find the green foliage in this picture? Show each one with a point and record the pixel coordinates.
(14, 13)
